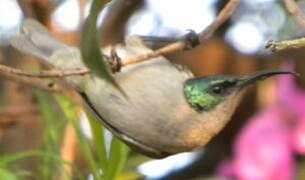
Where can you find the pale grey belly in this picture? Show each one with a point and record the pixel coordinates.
(154, 109)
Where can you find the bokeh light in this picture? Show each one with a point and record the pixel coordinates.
(158, 168)
(245, 37)
(10, 14)
(67, 15)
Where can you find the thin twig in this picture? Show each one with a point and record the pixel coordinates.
(26, 9)
(34, 82)
(283, 45)
(295, 12)
(225, 13)
(44, 74)
(180, 45)
(299, 17)
(114, 24)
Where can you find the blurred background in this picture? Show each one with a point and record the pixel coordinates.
(40, 132)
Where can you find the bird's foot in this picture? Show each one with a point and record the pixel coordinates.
(114, 61)
(191, 40)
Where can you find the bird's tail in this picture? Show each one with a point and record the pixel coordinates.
(35, 39)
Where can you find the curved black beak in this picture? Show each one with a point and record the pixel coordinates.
(250, 79)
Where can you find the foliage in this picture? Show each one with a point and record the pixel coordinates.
(110, 165)
(90, 46)
(103, 165)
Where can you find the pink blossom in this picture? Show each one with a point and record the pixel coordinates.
(263, 148)
(292, 99)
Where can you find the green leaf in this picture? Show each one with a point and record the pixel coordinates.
(69, 110)
(52, 133)
(7, 159)
(131, 175)
(117, 158)
(98, 139)
(90, 47)
(112, 166)
(135, 161)
(7, 175)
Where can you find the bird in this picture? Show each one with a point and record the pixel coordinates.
(167, 110)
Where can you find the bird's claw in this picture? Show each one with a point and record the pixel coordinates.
(114, 61)
(191, 40)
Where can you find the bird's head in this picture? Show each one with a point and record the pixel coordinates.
(205, 93)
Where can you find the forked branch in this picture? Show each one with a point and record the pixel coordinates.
(27, 77)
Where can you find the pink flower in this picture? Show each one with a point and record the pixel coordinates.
(292, 99)
(263, 148)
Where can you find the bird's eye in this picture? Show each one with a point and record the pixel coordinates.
(217, 90)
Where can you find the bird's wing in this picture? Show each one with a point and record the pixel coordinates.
(35, 39)
(137, 45)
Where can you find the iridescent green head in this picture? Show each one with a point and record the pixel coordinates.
(205, 93)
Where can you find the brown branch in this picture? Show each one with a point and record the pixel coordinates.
(37, 9)
(34, 82)
(295, 12)
(287, 44)
(26, 8)
(180, 45)
(225, 13)
(118, 14)
(43, 74)
(299, 17)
